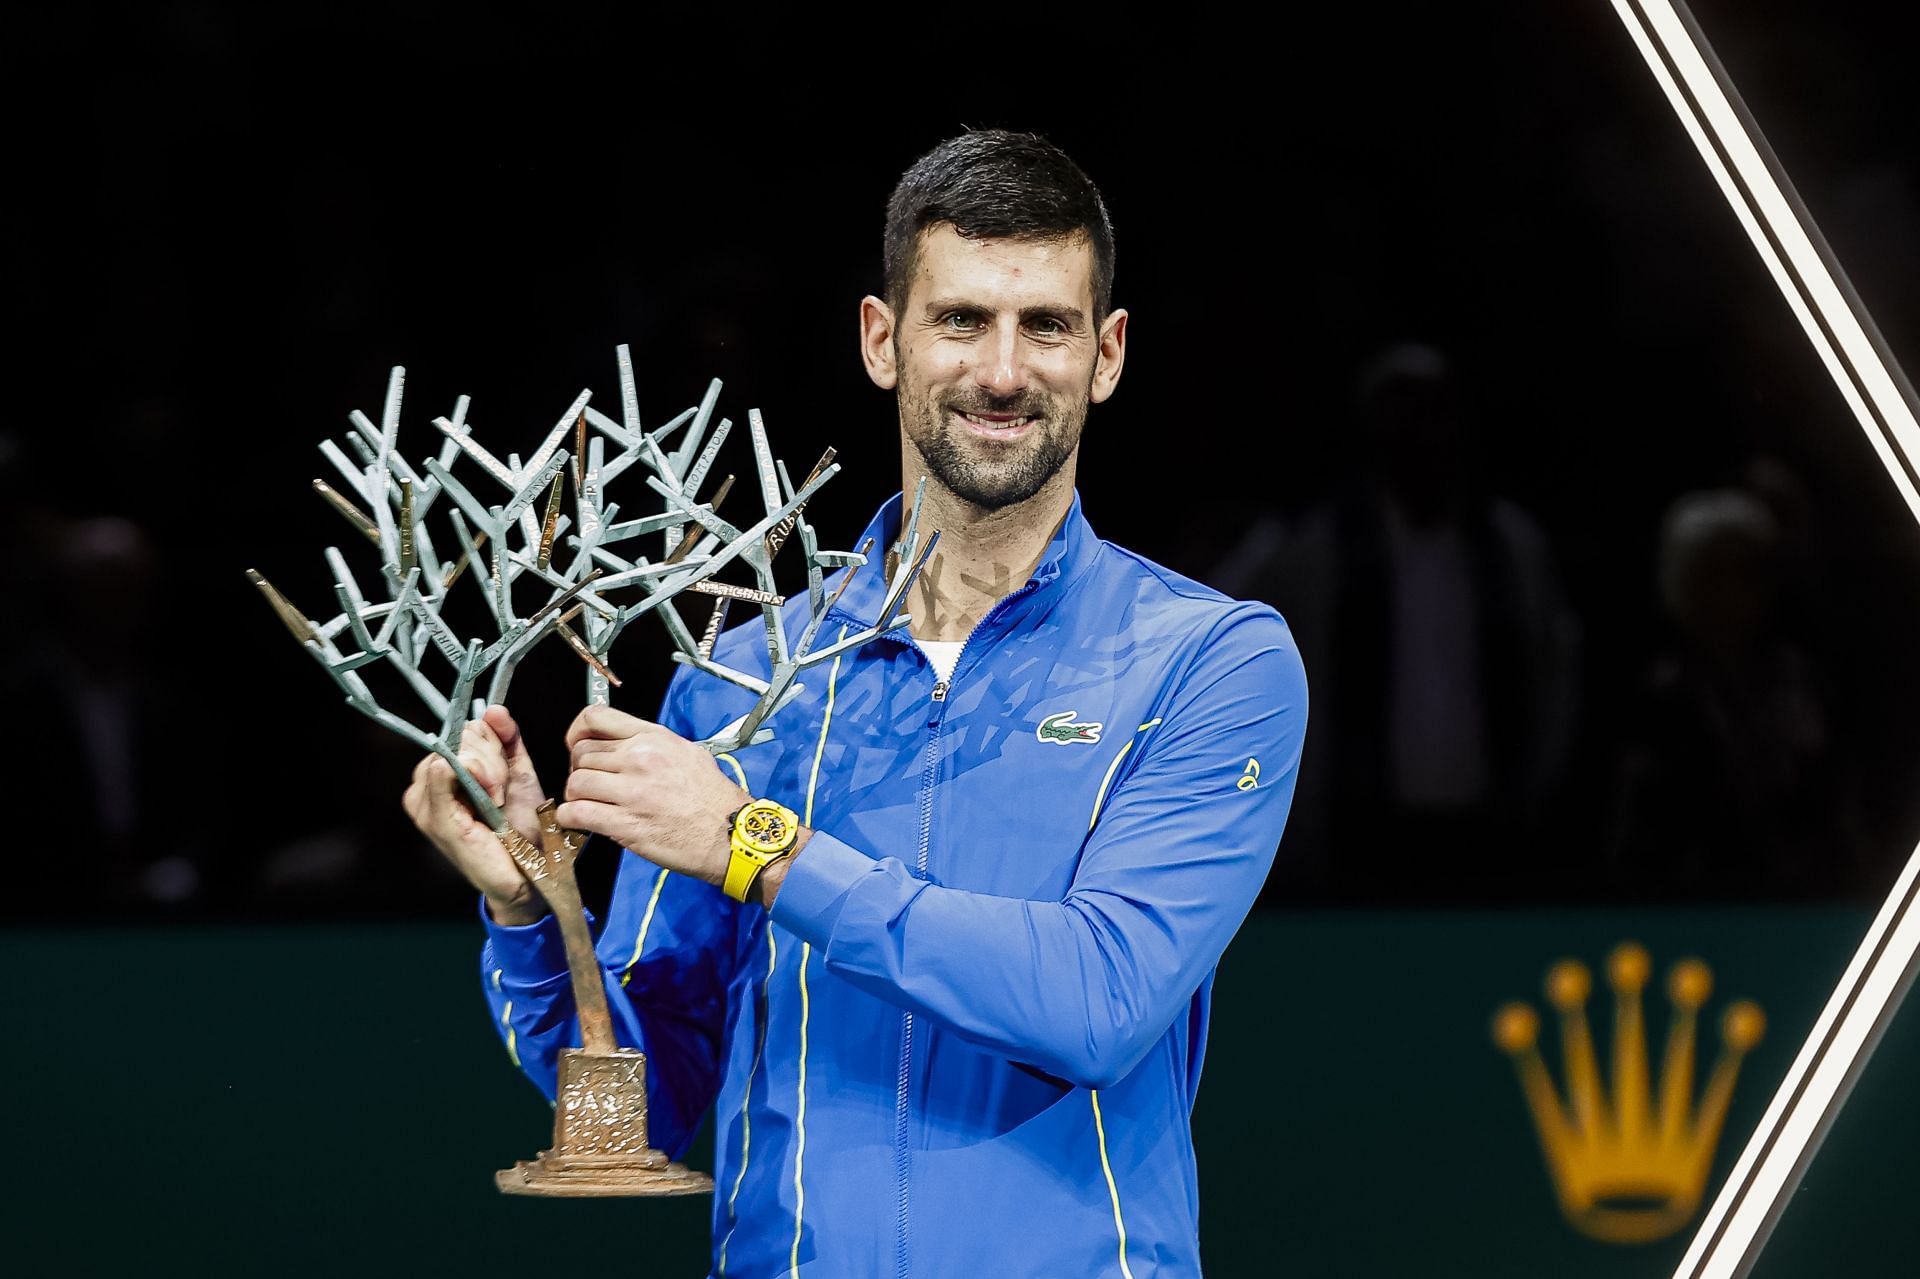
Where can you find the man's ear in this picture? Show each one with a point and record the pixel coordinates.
(876, 342)
(1113, 354)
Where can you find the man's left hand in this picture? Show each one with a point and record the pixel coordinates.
(659, 794)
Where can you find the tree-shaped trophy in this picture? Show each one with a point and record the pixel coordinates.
(600, 1120)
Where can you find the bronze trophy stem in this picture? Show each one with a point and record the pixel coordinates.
(555, 881)
(600, 1104)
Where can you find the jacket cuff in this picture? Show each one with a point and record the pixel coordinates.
(816, 887)
(530, 953)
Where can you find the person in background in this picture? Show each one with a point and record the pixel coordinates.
(1446, 656)
(1733, 782)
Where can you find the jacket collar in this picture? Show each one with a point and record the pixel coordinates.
(1072, 547)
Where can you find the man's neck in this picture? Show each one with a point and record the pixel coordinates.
(983, 556)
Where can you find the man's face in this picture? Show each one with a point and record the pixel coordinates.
(996, 358)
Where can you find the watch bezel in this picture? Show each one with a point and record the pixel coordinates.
(759, 845)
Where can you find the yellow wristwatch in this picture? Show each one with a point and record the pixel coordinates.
(762, 832)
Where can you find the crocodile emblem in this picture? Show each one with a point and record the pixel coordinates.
(1062, 728)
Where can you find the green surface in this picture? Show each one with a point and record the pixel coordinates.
(276, 1101)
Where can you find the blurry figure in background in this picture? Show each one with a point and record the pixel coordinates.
(99, 730)
(319, 864)
(1444, 654)
(1733, 784)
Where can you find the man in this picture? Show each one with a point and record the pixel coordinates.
(955, 1026)
(1445, 655)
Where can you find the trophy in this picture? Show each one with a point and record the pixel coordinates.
(508, 551)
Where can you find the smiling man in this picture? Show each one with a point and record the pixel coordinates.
(944, 970)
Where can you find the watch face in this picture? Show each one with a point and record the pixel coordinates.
(765, 828)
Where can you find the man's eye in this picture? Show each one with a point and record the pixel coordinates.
(1049, 327)
(961, 322)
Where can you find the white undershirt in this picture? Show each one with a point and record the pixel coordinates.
(943, 654)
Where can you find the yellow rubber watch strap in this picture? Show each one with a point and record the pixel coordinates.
(743, 867)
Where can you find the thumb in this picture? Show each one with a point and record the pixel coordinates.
(501, 722)
(514, 747)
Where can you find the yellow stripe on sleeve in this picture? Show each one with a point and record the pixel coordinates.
(506, 1019)
(646, 922)
(773, 953)
(806, 954)
(660, 882)
(820, 747)
(738, 771)
(1113, 768)
(1113, 1191)
(746, 1101)
(800, 1123)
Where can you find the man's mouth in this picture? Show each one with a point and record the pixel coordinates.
(996, 425)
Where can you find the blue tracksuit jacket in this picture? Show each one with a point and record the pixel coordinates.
(968, 1040)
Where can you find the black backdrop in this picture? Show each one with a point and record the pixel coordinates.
(227, 222)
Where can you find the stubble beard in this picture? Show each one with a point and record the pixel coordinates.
(992, 477)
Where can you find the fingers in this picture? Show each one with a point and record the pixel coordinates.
(604, 722)
(587, 784)
(431, 775)
(511, 782)
(437, 804)
(589, 814)
(605, 756)
(520, 774)
(441, 784)
(413, 801)
(478, 730)
(482, 756)
(430, 802)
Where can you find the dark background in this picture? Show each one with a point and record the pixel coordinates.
(225, 224)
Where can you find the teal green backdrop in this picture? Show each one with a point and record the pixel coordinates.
(321, 1101)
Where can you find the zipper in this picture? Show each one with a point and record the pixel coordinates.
(927, 777)
(901, 1159)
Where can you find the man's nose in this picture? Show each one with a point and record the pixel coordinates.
(1002, 369)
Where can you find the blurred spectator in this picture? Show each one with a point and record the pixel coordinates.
(171, 795)
(106, 745)
(1440, 650)
(1734, 782)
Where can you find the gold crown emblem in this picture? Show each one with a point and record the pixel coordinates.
(1630, 1167)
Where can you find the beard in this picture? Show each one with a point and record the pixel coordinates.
(989, 474)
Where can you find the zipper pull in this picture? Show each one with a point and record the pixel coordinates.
(940, 691)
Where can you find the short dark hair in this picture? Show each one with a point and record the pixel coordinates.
(993, 184)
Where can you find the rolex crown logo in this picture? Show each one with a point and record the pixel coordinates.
(1629, 1164)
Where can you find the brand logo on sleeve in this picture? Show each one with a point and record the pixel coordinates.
(1063, 728)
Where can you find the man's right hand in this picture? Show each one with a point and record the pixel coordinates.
(492, 750)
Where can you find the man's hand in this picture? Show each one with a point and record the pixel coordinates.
(659, 794)
(492, 750)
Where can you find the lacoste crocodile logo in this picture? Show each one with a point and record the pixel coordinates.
(1062, 728)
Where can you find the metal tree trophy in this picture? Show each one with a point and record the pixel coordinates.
(600, 1121)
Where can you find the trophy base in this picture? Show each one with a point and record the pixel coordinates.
(601, 1176)
(600, 1145)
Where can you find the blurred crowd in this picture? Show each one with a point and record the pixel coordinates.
(1468, 744)
(1451, 688)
